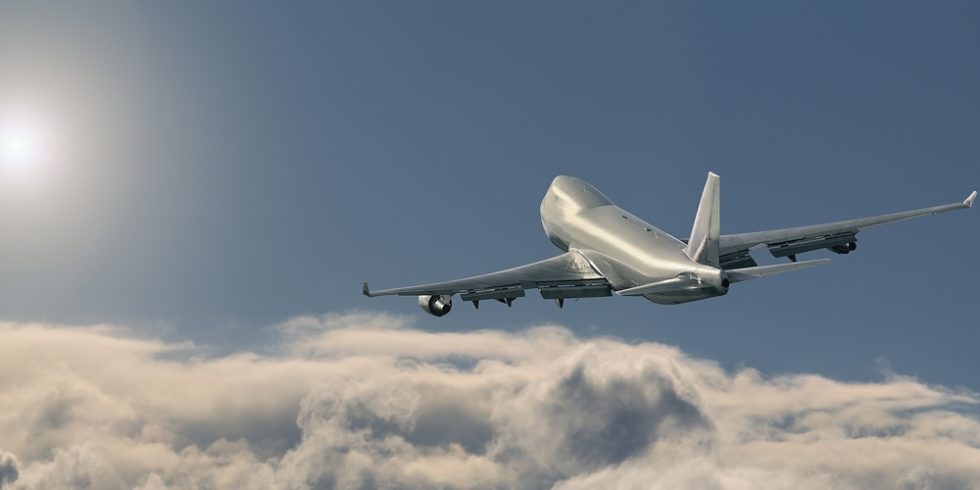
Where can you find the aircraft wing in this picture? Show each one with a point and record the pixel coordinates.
(568, 275)
(838, 236)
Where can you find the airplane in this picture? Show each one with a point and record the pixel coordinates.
(609, 250)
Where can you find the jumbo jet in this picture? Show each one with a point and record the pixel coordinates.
(609, 250)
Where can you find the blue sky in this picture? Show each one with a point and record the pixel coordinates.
(191, 194)
(225, 166)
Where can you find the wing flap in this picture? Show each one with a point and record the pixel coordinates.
(505, 292)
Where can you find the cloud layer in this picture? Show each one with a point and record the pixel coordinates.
(365, 401)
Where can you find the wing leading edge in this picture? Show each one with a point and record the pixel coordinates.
(568, 275)
(838, 236)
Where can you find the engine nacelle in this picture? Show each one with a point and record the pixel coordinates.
(845, 247)
(436, 305)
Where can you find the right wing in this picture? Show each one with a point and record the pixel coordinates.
(787, 242)
(568, 275)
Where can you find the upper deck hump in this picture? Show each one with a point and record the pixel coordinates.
(577, 193)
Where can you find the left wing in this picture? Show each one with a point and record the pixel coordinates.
(568, 275)
(839, 236)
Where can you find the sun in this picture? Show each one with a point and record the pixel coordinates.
(30, 153)
(21, 149)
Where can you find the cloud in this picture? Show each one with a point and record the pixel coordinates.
(363, 400)
(8, 468)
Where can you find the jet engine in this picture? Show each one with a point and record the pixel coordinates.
(437, 305)
(845, 247)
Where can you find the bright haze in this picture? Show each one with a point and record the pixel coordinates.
(191, 196)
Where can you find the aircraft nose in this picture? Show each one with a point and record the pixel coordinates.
(578, 192)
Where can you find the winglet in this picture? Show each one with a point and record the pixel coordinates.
(366, 290)
(969, 200)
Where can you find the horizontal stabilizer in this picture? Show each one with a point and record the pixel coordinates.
(673, 284)
(738, 275)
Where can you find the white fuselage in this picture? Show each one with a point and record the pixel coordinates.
(622, 247)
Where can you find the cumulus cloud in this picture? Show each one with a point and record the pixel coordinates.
(8, 468)
(363, 400)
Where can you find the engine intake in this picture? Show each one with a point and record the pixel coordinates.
(845, 247)
(437, 305)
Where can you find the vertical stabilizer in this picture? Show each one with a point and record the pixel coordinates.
(702, 247)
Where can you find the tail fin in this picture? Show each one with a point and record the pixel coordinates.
(702, 247)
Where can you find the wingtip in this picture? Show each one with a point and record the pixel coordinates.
(969, 200)
(366, 290)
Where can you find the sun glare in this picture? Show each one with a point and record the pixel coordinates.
(21, 149)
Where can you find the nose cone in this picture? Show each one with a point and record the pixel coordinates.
(577, 192)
